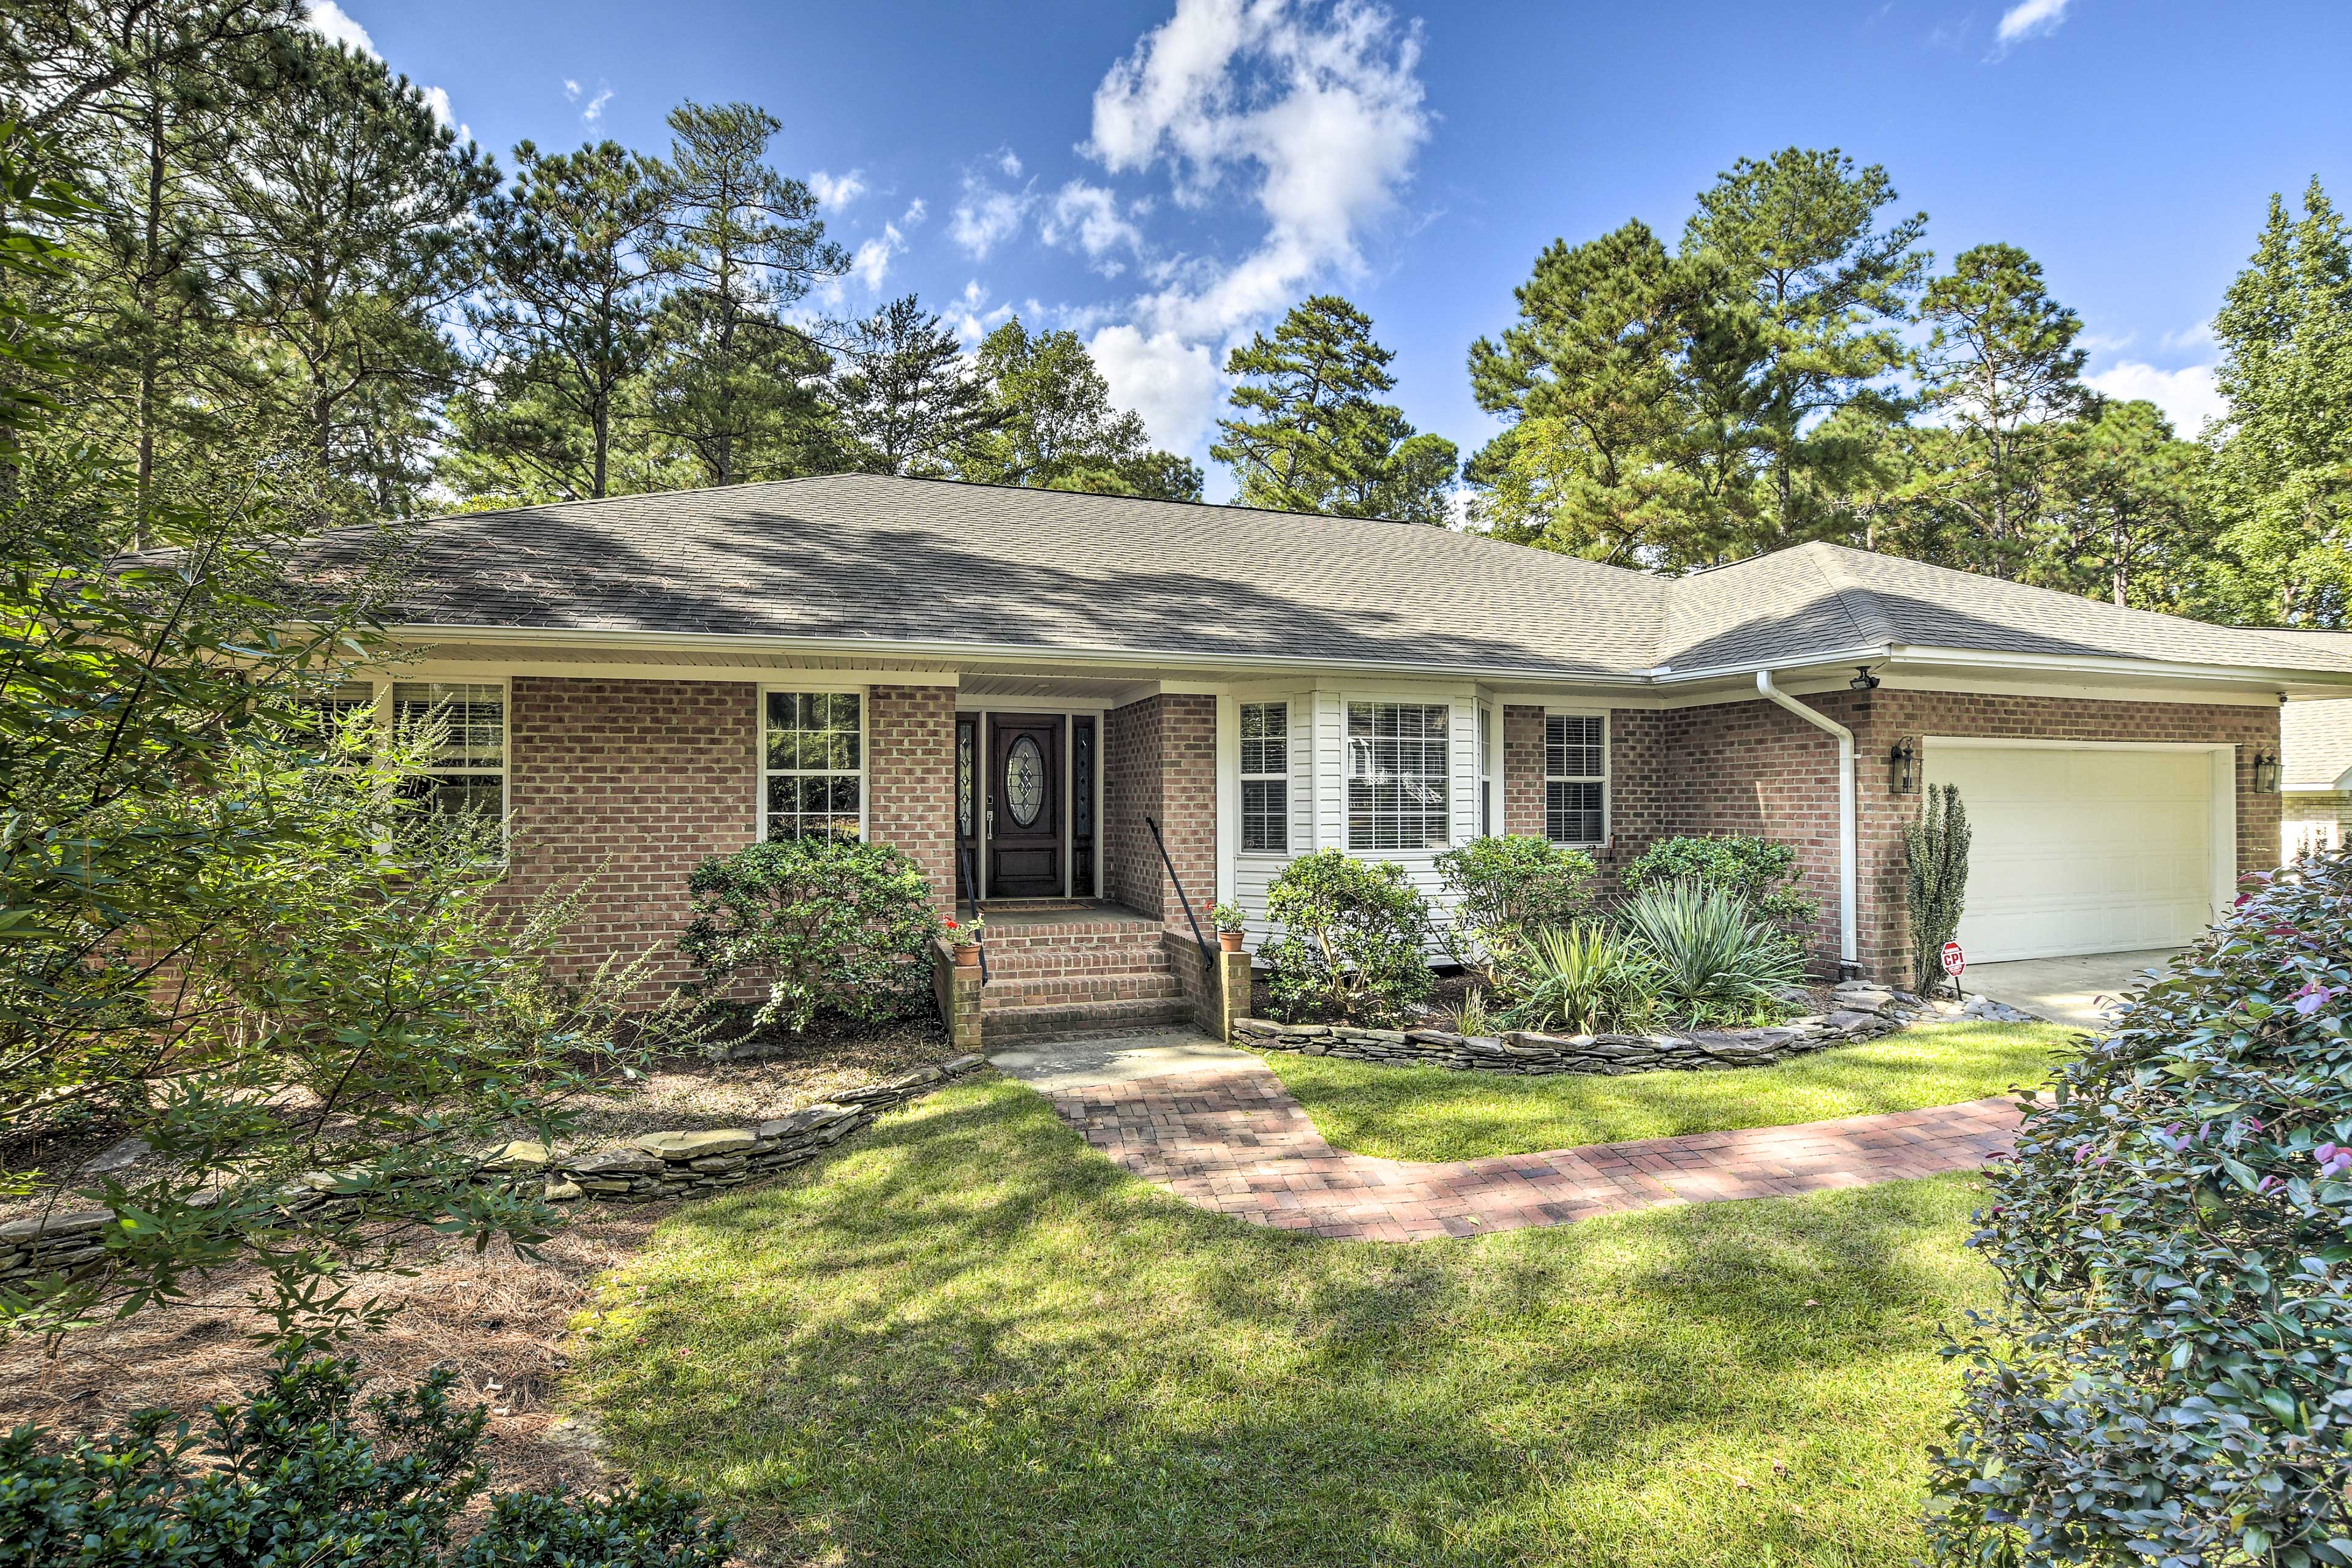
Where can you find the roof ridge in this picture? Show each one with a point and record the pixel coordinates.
(1869, 621)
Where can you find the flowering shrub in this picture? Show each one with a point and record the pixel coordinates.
(2170, 1379)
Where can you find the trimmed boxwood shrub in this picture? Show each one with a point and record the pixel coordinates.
(1761, 870)
(2170, 1381)
(831, 926)
(1506, 890)
(295, 1476)
(1354, 942)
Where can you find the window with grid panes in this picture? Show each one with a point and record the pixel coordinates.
(815, 765)
(1397, 775)
(1265, 777)
(1576, 777)
(467, 721)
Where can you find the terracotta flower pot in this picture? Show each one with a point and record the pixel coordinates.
(1231, 941)
(967, 955)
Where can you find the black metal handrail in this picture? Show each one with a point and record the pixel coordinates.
(972, 883)
(1208, 955)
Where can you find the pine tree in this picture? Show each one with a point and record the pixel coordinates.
(1051, 425)
(347, 218)
(2283, 463)
(1322, 441)
(1625, 385)
(2001, 371)
(1798, 234)
(573, 270)
(733, 387)
(905, 398)
(2133, 524)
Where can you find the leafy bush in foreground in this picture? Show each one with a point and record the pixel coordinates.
(296, 1477)
(841, 927)
(1714, 961)
(1761, 870)
(1354, 941)
(2170, 1379)
(1507, 889)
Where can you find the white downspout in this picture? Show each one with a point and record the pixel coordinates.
(1848, 953)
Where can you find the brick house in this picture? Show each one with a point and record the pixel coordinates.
(1085, 712)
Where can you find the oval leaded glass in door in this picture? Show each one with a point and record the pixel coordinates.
(1024, 781)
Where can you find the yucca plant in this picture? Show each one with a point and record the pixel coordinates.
(1583, 977)
(1716, 961)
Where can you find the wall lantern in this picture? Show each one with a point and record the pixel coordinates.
(1902, 769)
(2266, 773)
(1862, 680)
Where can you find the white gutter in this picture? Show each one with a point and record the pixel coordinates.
(1848, 952)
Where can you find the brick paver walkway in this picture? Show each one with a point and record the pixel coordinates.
(1235, 1141)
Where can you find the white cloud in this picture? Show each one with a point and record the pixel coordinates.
(971, 317)
(837, 190)
(1314, 112)
(2200, 336)
(2028, 17)
(1088, 217)
(596, 110)
(872, 261)
(1172, 384)
(987, 216)
(1009, 162)
(437, 99)
(915, 213)
(2188, 397)
(331, 22)
(571, 90)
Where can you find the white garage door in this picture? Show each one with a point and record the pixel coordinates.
(2082, 851)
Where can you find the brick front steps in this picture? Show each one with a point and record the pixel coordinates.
(1075, 970)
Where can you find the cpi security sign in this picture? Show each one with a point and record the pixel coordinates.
(1954, 960)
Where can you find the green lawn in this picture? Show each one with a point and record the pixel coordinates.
(970, 1339)
(1431, 1113)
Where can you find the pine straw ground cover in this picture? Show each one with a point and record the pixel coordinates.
(967, 1339)
(500, 1318)
(1432, 1113)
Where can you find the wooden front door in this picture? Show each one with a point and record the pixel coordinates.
(1024, 806)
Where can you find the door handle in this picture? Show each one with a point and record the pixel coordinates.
(991, 822)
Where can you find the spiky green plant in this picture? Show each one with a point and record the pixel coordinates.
(1936, 843)
(1716, 960)
(1585, 977)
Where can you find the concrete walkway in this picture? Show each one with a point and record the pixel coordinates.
(1216, 1127)
(2077, 991)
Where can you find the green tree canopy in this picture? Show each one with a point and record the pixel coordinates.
(2282, 460)
(1799, 234)
(1051, 425)
(1321, 439)
(1626, 384)
(573, 271)
(905, 398)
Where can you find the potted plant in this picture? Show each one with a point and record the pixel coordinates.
(1228, 918)
(965, 938)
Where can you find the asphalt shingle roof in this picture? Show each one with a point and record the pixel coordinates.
(870, 558)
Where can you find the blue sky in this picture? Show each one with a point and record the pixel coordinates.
(1164, 178)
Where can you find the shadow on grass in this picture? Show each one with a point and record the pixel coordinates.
(969, 1338)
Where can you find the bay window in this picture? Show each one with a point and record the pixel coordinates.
(1265, 777)
(1396, 774)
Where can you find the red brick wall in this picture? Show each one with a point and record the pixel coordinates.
(910, 779)
(1881, 717)
(619, 788)
(1159, 758)
(1752, 767)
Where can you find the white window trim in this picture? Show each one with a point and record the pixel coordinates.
(1607, 780)
(1287, 778)
(1451, 704)
(386, 702)
(762, 772)
(1490, 742)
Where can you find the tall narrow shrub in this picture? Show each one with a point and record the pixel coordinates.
(1937, 842)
